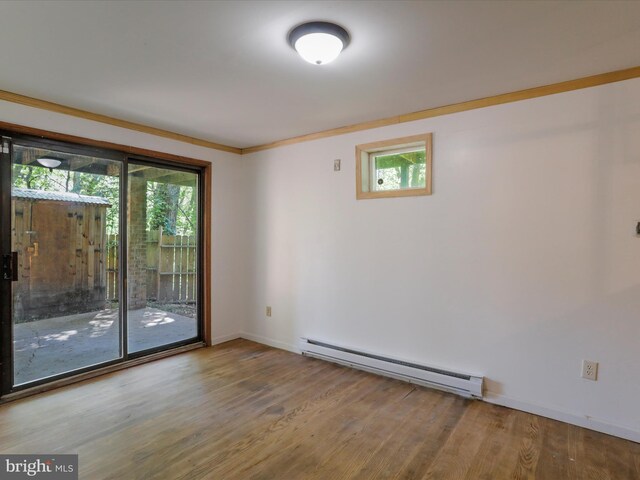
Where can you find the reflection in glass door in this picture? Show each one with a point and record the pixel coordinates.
(65, 221)
(162, 257)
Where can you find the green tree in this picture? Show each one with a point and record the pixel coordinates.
(172, 207)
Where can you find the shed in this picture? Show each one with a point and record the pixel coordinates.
(60, 239)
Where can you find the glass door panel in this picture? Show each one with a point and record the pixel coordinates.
(162, 258)
(65, 217)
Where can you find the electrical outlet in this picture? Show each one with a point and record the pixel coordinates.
(589, 370)
(268, 311)
(336, 165)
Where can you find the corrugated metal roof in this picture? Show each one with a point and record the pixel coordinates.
(58, 196)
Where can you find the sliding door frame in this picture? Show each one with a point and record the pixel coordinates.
(6, 342)
(123, 153)
(159, 163)
(6, 326)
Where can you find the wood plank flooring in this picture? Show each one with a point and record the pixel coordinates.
(245, 411)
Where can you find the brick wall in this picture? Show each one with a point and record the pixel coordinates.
(137, 266)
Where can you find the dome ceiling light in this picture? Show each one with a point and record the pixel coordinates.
(319, 42)
(50, 162)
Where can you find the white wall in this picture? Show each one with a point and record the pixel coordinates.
(522, 263)
(229, 203)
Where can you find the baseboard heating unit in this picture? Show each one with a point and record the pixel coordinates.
(459, 383)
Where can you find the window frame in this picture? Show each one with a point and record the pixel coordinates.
(125, 154)
(365, 155)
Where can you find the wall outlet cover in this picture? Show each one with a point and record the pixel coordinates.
(589, 370)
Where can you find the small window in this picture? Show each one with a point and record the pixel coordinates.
(394, 168)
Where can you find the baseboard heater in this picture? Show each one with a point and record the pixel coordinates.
(459, 383)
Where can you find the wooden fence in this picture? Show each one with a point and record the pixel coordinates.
(171, 267)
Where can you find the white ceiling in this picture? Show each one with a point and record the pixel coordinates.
(223, 71)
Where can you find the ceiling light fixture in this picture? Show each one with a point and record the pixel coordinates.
(319, 42)
(49, 162)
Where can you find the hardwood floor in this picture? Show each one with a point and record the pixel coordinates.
(245, 411)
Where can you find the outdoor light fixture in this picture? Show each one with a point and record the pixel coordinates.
(49, 162)
(319, 42)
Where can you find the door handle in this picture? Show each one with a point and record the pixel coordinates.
(10, 266)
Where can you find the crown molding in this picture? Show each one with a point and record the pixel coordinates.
(97, 117)
(535, 92)
(567, 86)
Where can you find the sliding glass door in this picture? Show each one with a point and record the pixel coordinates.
(65, 208)
(86, 281)
(162, 259)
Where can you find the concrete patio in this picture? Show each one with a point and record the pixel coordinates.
(56, 345)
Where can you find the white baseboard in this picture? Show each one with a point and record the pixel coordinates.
(225, 338)
(566, 417)
(497, 399)
(271, 342)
